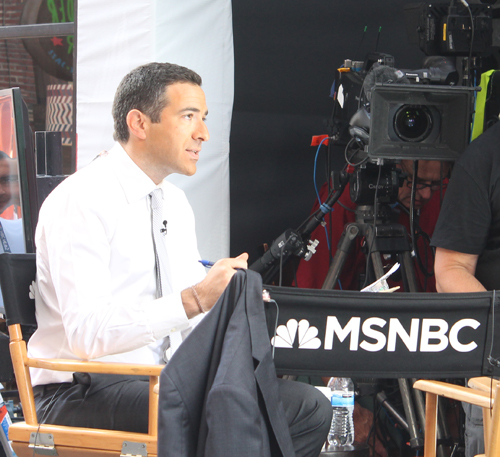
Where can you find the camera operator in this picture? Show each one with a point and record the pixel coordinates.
(431, 179)
(467, 239)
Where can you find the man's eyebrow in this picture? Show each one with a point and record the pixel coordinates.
(195, 110)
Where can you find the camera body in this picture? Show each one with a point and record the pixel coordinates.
(369, 180)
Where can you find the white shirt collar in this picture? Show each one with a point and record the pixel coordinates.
(128, 172)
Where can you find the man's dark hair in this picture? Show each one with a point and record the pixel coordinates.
(144, 89)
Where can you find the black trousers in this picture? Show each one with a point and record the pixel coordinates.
(118, 402)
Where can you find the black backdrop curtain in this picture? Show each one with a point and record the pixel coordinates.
(286, 56)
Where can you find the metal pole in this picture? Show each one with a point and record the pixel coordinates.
(8, 32)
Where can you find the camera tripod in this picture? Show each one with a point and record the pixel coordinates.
(384, 237)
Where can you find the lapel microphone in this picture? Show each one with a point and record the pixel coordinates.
(164, 229)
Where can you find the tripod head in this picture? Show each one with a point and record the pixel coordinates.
(365, 214)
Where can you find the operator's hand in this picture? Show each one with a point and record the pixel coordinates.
(210, 289)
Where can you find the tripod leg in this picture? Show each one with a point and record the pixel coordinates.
(410, 272)
(442, 429)
(378, 268)
(418, 397)
(343, 248)
(415, 440)
(442, 432)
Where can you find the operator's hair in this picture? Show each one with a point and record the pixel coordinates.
(144, 89)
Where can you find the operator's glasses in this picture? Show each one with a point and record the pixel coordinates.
(434, 185)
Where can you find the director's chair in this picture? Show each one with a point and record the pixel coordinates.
(17, 272)
(480, 394)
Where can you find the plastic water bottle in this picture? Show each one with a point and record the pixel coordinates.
(342, 429)
(5, 423)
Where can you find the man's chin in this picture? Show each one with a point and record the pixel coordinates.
(418, 204)
(190, 171)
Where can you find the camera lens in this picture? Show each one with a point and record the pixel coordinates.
(413, 123)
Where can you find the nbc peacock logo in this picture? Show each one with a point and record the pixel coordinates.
(286, 334)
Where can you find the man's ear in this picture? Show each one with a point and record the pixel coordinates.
(136, 122)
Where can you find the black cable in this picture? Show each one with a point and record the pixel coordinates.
(491, 396)
(42, 420)
(329, 234)
(412, 205)
(307, 227)
(280, 281)
(295, 275)
(491, 360)
(361, 145)
(275, 324)
(421, 233)
(473, 32)
(376, 411)
(346, 207)
(375, 210)
(378, 38)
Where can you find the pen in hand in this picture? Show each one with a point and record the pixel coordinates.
(209, 264)
(206, 263)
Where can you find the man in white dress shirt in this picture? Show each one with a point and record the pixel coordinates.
(95, 254)
(96, 269)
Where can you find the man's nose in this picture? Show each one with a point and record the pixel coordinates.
(201, 132)
(425, 193)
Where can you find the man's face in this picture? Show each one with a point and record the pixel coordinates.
(430, 173)
(174, 143)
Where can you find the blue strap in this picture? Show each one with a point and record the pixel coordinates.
(325, 209)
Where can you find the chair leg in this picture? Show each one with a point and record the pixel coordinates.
(494, 430)
(18, 353)
(431, 414)
(153, 406)
(486, 428)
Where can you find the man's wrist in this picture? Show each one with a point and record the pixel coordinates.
(197, 299)
(190, 303)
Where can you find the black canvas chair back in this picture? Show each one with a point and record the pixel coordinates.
(17, 272)
(6, 369)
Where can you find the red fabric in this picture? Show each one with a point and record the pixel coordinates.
(312, 274)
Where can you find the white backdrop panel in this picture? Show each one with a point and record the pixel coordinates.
(113, 37)
(117, 35)
(201, 38)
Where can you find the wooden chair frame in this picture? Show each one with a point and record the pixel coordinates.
(488, 385)
(485, 398)
(30, 437)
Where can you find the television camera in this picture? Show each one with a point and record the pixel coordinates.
(399, 119)
(422, 114)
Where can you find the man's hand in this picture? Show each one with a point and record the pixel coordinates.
(455, 272)
(210, 289)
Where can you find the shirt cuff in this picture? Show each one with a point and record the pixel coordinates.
(166, 315)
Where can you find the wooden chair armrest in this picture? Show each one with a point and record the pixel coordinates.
(95, 367)
(455, 392)
(483, 383)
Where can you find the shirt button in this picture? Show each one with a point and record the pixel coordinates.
(173, 330)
